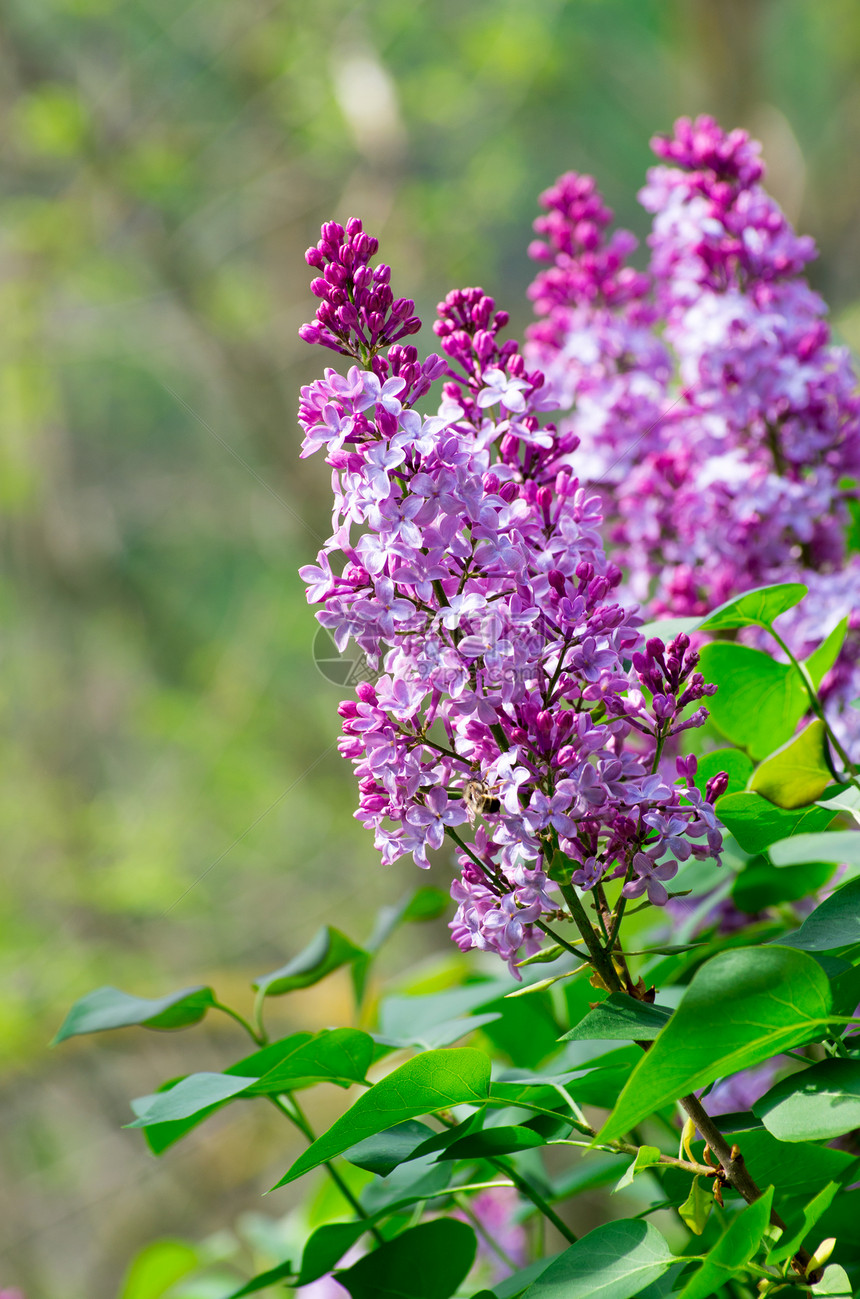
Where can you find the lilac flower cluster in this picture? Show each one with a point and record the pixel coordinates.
(466, 563)
(739, 473)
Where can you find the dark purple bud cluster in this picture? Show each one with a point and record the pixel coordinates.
(668, 674)
(358, 313)
(468, 324)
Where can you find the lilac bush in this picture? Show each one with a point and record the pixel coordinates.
(707, 393)
(466, 563)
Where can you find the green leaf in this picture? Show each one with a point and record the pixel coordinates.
(836, 923)
(834, 1283)
(197, 1092)
(796, 774)
(840, 847)
(756, 823)
(339, 1055)
(621, 1018)
(491, 1142)
(156, 1268)
(161, 1136)
(668, 628)
(614, 1261)
(382, 1152)
(646, 1157)
(801, 1168)
(262, 1280)
(816, 1104)
(696, 1209)
(109, 1008)
(326, 1247)
(759, 701)
(742, 1007)
(329, 950)
(796, 1230)
(433, 1081)
(841, 798)
(426, 903)
(735, 1248)
(756, 608)
(426, 1262)
(405, 1019)
(822, 659)
(734, 762)
(409, 1184)
(761, 884)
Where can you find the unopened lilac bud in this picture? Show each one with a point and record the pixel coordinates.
(509, 491)
(484, 345)
(490, 483)
(366, 692)
(314, 258)
(716, 786)
(332, 232)
(320, 288)
(309, 333)
(353, 226)
(382, 274)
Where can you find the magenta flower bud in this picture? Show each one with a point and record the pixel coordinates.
(309, 333)
(716, 786)
(347, 708)
(556, 580)
(382, 274)
(314, 258)
(353, 226)
(332, 232)
(509, 491)
(366, 692)
(320, 288)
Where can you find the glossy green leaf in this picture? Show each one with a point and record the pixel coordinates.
(109, 1008)
(491, 1142)
(426, 1262)
(329, 950)
(796, 774)
(646, 1157)
(761, 884)
(263, 1280)
(822, 659)
(798, 1229)
(796, 1171)
(197, 1092)
(759, 701)
(326, 1247)
(840, 847)
(756, 608)
(737, 765)
(382, 1152)
(741, 1008)
(668, 628)
(339, 1055)
(736, 1247)
(696, 1209)
(614, 1261)
(756, 823)
(817, 1104)
(433, 1081)
(620, 1018)
(835, 923)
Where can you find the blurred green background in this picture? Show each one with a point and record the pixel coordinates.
(173, 810)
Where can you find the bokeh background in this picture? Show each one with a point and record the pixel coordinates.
(172, 809)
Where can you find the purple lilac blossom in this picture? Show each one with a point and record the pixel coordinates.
(496, 1211)
(738, 473)
(466, 563)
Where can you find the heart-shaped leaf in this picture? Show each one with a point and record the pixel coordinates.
(798, 773)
